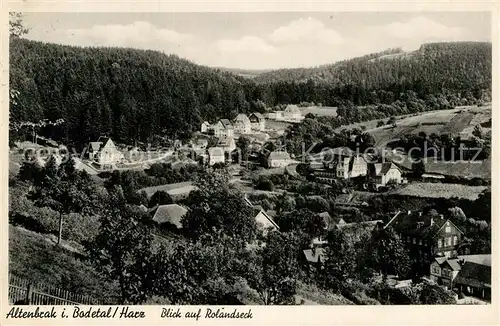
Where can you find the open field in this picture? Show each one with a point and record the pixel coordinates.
(327, 111)
(453, 121)
(439, 190)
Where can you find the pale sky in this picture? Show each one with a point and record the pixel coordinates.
(260, 40)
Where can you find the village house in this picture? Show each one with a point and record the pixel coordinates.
(382, 174)
(216, 155)
(340, 163)
(223, 128)
(104, 152)
(264, 220)
(205, 127)
(427, 234)
(469, 274)
(278, 159)
(242, 124)
(292, 113)
(227, 144)
(257, 121)
(171, 214)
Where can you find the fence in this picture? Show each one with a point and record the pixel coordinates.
(22, 290)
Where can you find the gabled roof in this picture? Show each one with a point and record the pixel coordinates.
(172, 213)
(452, 263)
(382, 168)
(258, 115)
(475, 275)
(292, 109)
(258, 209)
(225, 141)
(279, 156)
(95, 146)
(482, 259)
(104, 140)
(242, 118)
(215, 151)
(226, 123)
(206, 123)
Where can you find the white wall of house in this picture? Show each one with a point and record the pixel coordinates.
(392, 174)
(278, 163)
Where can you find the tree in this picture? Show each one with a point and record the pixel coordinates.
(160, 198)
(276, 279)
(264, 183)
(434, 294)
(243, 144)
(392, 121)
(478, 132)
(418, 168)
(122, 249)
(389, 254)
(65, 190)
(303, 220)
(16, 25)
(340, 261)
(217, 207)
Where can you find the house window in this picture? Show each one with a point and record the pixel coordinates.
(448, 241)
(435, 270)
(448, 228)
(455, 240)
(440, 243)
(414, 240)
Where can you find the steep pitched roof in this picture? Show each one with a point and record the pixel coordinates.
(475, 275)
(215, 151)
(258, 115)
(482, 259)
(225, 141)
(294, 109)
(95, 146)
(279, 156)
(172, 213)
(226, 123)
(242, 118)
(453, 263)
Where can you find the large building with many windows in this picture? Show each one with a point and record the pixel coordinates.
(429, 235)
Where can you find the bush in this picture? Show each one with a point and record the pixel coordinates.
(265, 184)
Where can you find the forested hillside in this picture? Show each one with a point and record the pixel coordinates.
(129, 94)
(135, 95)
(461, 69)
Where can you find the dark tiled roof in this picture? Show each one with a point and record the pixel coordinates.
(453, 263)
(475, 275)
(258, 115)
(172, 213)
(483, 259)
(226, 123)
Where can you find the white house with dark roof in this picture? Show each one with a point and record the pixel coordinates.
(242, 124)
(257, 121)
(227, 144)
(292, 112)
(223, 128)
(216, 155)
(278, 159)
(104, 152)
(382, 173)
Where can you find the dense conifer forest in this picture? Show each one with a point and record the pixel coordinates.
(139, 95)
